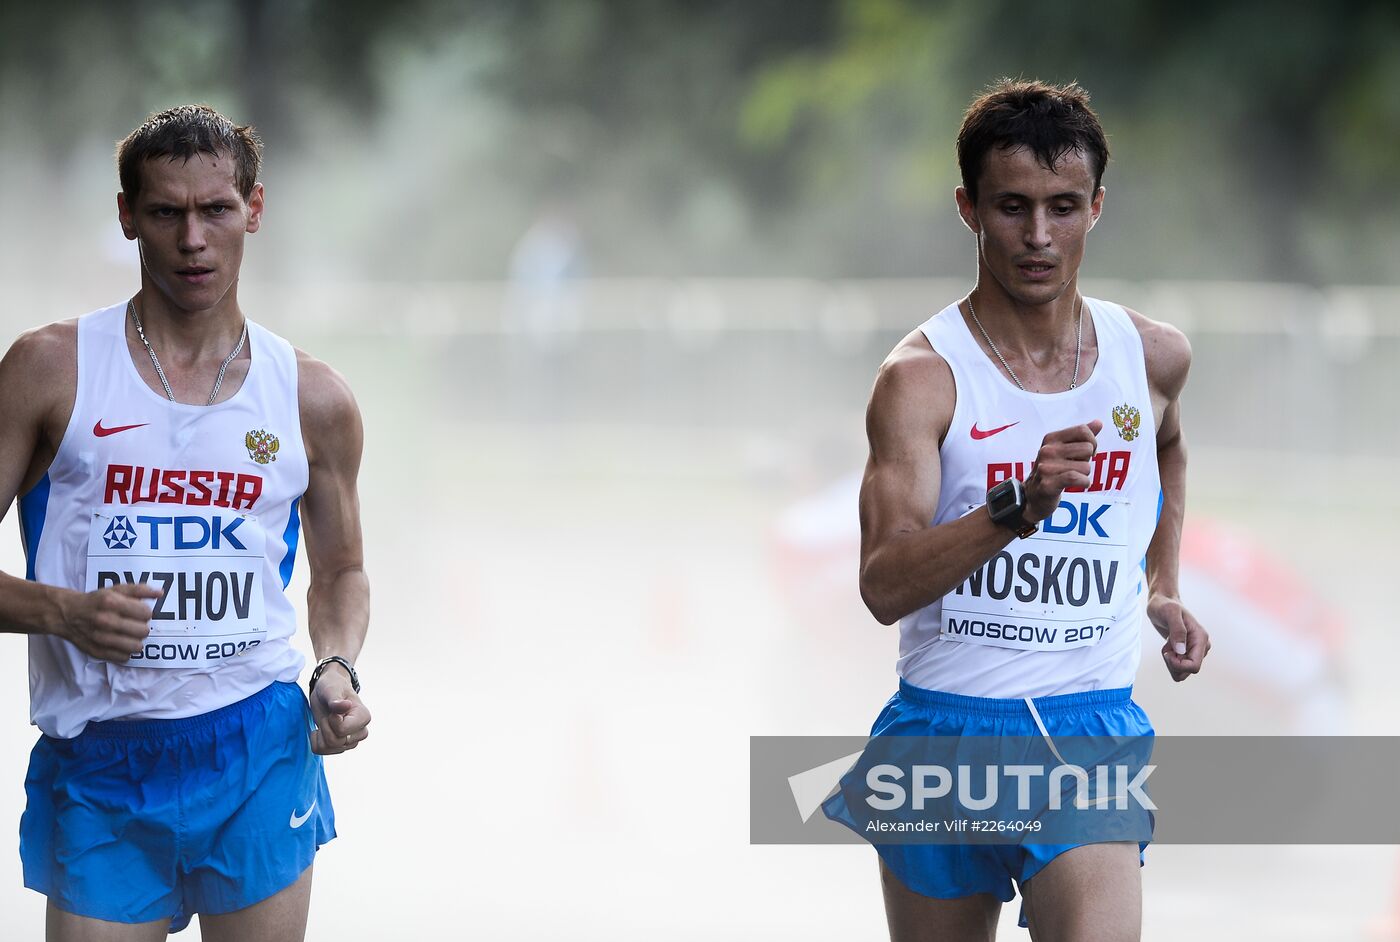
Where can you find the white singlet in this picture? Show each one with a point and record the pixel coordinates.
(1060, 611)
(200, 501)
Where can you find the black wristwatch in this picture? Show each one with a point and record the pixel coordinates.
(1006, 502)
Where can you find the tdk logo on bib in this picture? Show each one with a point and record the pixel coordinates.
(190, 533)
(1079, 519)
(119, 534)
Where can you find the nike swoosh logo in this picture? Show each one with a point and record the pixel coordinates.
(978, 434)
(298, 821)
(101, 432)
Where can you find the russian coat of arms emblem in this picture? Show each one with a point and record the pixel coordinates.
(262, 446)
(1128, 420)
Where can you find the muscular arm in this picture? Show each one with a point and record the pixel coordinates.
(1168, 356)
(338, 599)
(38, 383)
(1164, 552)
(27, 607)
(905, 563)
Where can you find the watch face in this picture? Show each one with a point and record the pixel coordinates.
(1001, 500)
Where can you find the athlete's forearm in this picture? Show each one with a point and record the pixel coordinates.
(1164, 552)
(338, 613)
(911, 570)
(32, 608)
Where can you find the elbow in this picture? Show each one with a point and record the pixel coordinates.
(886, 617)
(879, 601)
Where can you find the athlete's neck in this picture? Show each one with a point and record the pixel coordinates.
(1023, 328)
(188, 335)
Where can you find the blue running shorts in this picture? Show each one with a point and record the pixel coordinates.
(954, 870)
(132, 821)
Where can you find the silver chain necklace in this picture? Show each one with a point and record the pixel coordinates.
(219, 381)
(1078, 343)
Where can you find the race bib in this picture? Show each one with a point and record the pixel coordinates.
(208, 564)
(1056, 590)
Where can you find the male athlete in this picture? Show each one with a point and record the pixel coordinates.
(1025, 456)
(169, 452)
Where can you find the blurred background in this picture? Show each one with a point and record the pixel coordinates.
(611, 281)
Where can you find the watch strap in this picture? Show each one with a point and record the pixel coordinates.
(1012, 517)
(327, 662)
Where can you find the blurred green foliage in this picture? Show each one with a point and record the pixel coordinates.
(420, 139)
(1252, 139)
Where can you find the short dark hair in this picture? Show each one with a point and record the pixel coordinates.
(1051, 120)
(183, 132)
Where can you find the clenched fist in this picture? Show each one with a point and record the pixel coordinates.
(109, 624)
(1064, 460)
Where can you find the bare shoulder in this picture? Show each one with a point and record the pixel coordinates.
(1168, 354)
(915, 371)
(330, 417)
(40, 370)
(45, 351)
(914, 389)
(323, 392)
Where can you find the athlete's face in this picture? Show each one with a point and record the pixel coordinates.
(1031, 222)
(189, 221)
